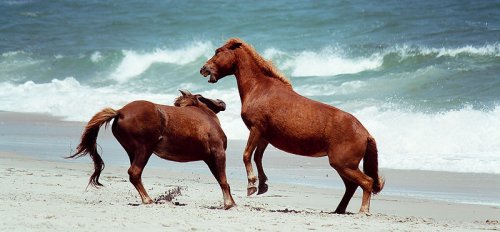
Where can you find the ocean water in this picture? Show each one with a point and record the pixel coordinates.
(422, 76)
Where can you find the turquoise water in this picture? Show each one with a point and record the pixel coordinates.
(422, 76)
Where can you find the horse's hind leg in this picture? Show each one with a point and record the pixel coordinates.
(355, 175)
(217, 165)
(346, 165)
(140, 160)
(259, 153)
(350, 189)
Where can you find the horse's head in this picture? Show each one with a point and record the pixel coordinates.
(188, 99)
(223, 62)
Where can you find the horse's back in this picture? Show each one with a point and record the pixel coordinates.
(174, 133)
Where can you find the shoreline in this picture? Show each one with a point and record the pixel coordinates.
(298, 185)
(47, 137)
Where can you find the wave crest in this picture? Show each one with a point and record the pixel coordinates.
(327, 62)
(465, 140)
(134, 63)
(332, 61)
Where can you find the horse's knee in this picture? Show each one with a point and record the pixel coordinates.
(247, 158)
(367, 184)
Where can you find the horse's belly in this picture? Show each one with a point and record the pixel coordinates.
(183, 153)
(176, 157)
(298, 147)
(300, 138)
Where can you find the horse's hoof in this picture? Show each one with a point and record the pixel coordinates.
(262, 189)
(251, 191)
(226, 207)
(366, 213)
(147, 201)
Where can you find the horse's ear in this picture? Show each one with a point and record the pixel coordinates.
(234, 45)
(185, 92)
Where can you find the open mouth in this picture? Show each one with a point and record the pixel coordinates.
(212, 79)
(205, 72)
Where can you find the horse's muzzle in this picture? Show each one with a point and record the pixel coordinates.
(205, 71)
(221, 104)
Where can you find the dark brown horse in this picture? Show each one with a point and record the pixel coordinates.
(188, 132)
(276, 114)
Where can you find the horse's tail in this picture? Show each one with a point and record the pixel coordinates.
(88, 142)
(370, 165)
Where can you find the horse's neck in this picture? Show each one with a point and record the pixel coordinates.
(250, 78)
(247, 78)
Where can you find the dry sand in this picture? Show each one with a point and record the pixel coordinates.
(39, 195)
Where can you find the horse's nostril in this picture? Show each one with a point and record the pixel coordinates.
(204, 71)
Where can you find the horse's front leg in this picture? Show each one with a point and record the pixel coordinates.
(253, 141)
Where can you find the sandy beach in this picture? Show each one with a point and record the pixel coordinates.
(49, 194)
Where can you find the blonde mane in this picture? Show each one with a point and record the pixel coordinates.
(265, 65)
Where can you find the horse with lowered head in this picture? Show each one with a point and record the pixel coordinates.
(274, 113)
(188, 131)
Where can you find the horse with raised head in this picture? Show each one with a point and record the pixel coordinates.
(188, 131)
(274, 113)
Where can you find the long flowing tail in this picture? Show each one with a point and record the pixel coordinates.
(370, 165)
(88, 142)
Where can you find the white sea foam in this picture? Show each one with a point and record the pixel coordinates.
(466, 140)
(67, 98)
(333, 61)
(135, 63)
(73, 101)
(12, 53)
(272, 53)
(331, 89)
(96, 57)
(329, 63)
(488, 50)
(406, 51)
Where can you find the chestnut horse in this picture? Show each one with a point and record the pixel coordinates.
(190, 131)
(274, 113)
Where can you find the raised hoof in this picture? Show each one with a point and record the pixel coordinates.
(251, 191)
(262, 189)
